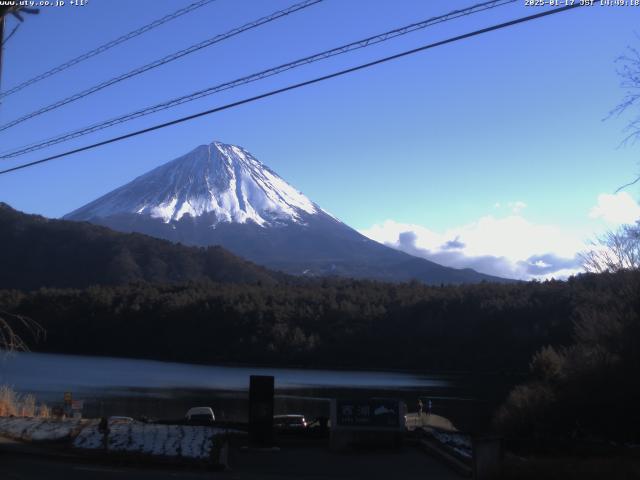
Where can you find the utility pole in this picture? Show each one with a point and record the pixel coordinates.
(1, 47)
(16, 12)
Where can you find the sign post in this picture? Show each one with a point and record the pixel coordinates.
(261, 389)
(68, 400)
(76, 408)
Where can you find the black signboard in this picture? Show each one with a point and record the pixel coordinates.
(261, 410)
(368, 413)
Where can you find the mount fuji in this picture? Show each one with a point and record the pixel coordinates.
(220, 194)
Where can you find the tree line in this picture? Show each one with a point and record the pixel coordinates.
(321, 323)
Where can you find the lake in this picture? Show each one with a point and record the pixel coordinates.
(120, 386)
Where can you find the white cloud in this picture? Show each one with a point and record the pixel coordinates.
(517, 207)
(616, 209)
(509, 247)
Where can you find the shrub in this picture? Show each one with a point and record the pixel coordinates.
(14, 404)
(547, 364)
(8, 401)
(525, 410)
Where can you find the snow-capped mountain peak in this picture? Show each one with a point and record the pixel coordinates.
(220, 194)
(221, 179)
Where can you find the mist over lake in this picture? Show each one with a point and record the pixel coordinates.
(49, 374)
(162, 389)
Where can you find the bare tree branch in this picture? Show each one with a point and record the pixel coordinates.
(628, 184)
(9, 324)
(614, 251)
(628, 69)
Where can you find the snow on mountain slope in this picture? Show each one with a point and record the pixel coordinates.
(223, 179)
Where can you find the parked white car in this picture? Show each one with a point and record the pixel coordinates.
(200, 415)
(116, 420)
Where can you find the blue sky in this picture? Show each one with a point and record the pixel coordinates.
(457, 142)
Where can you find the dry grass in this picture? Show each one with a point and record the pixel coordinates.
(13, 403)
(44, 411)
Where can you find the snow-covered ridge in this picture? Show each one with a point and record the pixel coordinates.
(222, 179)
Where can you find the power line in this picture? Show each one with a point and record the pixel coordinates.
(256, 76)
(15, 29)
(164, 60)
(297, 85)
(106, 46)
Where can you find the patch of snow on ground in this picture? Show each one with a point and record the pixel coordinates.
(37, 429)
(458, 442)
(185, 441)
(89, 437)
(157, 447)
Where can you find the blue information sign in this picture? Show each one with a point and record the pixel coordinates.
(368, 413)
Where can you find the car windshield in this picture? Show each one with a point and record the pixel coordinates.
(289, 420)
(201, 416)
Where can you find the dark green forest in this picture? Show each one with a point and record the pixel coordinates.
(586, 390)
(331, 322)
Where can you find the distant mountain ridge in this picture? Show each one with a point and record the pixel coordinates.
(220, 194)
(38, 252)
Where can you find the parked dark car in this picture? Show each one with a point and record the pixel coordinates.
(289, 423)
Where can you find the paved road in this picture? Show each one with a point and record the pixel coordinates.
(286, 464)
(408, 463)
(22, 461)
(22, 467)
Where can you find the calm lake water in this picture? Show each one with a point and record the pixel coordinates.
(50, 373)
(119, 386)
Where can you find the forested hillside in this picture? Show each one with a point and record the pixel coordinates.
(39, 252)
(485, 327)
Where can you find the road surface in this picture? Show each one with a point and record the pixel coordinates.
(289, 463)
